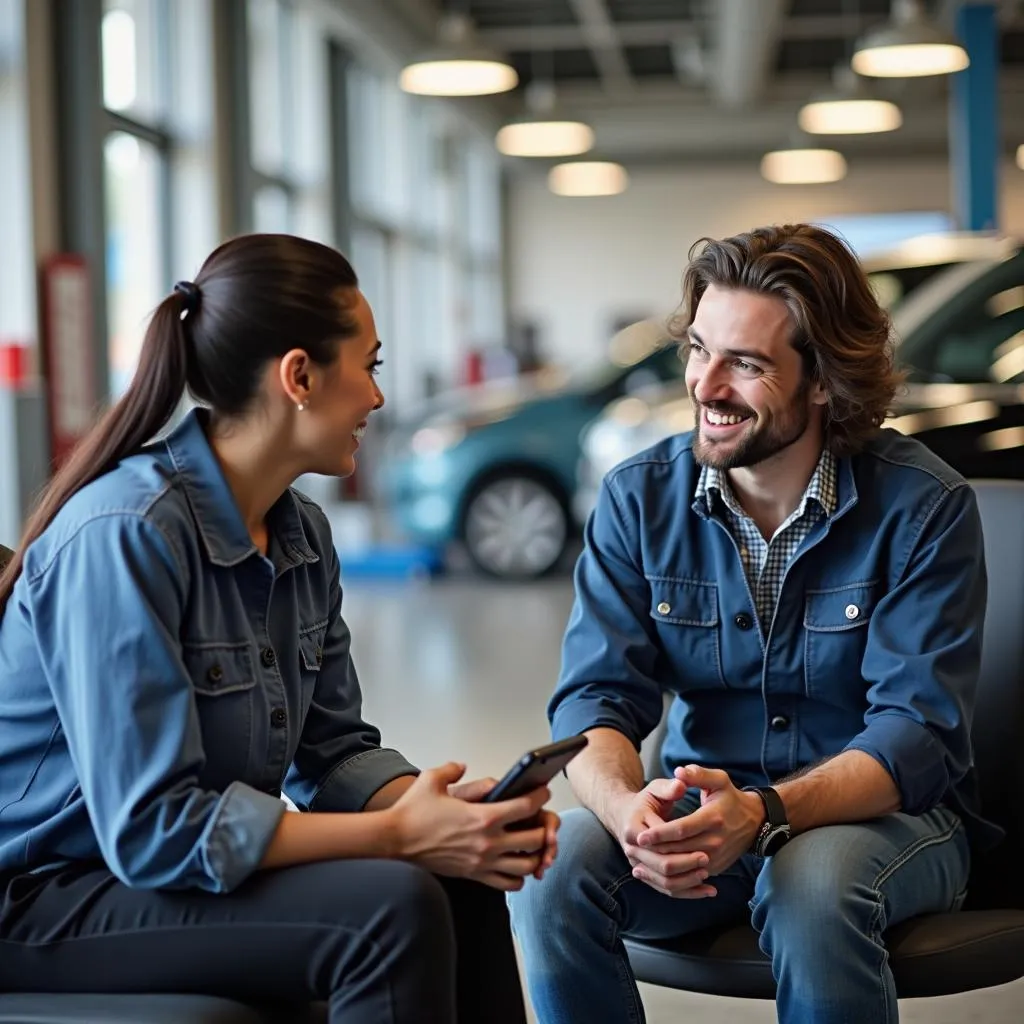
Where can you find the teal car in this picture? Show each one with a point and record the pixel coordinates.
(494, 467)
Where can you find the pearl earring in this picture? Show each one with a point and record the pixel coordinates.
(301, 406)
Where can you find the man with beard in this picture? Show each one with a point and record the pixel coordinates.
(809, 590)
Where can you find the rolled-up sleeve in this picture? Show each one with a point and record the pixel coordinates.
(339, 763)
(107, 610)
(923, 656)
(609, 656)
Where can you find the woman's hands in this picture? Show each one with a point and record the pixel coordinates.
(441, 825)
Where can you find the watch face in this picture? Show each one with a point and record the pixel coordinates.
(775, 841)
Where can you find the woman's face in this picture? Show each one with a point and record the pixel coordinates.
(346, 393)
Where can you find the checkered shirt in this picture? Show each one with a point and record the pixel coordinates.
(765, 562)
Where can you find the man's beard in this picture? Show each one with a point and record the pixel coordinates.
(764, 438)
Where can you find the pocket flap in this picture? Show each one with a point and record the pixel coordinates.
(683, 602)
(839, 608)
(220, 668)
(311, 647)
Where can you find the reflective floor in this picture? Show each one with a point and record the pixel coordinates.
(462, 671)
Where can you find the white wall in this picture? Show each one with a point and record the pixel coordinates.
(577, 264)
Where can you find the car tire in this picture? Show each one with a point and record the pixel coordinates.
(516, 527)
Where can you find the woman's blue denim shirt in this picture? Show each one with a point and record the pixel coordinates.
(161, 681)
(875, 643)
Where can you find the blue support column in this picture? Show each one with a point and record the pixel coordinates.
(974, 119)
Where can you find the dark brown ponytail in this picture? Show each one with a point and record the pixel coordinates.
(145, 408)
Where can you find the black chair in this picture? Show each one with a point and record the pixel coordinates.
(144, 1008)
(937, 954)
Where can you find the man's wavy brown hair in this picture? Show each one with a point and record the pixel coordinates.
(843, 334)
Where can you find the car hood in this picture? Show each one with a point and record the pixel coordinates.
(489, 402)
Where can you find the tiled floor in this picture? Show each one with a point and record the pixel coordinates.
(462, 671)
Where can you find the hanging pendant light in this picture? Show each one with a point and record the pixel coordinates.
(799, 166)
(849, 109)
(458, 66)
(588, 178)
(911, 45)
(543, 133)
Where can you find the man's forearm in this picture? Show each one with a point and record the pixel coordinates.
(852, 786)
(606, 772)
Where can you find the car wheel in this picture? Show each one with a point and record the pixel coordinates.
(516, 527)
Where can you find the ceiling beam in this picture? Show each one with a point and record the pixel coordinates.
(745, 38)
(603, 41)
(651, 33)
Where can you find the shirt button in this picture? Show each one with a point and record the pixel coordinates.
(743, 621)
(852, 611)
(215, 674)
(278, 717)
(664, 608)
(268, 657)
(779, 722)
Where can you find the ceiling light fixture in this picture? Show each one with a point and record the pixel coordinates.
(458, 66)
(803, 166)
(544, 133)
(849, 109)
(910, 45)
(588, 178)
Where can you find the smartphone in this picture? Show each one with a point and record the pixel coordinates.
(536, 768)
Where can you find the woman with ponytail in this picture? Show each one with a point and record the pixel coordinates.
(173, 657)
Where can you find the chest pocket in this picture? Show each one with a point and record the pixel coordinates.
(685, 614)
(836, 632)
(224, 680)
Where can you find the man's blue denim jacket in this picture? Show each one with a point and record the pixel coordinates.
(160, 680)
(875, 644)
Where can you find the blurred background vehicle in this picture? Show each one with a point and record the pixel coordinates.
(961, 340)
(494, 466)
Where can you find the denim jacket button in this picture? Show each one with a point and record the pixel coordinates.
(779, 722)
(852, 611)
(215, 674)
(268, 657)
(664, 608)
(743, 621)
(278, 717)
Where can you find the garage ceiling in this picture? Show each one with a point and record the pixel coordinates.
(668, 79)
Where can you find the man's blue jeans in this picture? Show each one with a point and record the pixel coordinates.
(821, 906)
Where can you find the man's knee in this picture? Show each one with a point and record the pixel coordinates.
(813, 891)
(588, 857)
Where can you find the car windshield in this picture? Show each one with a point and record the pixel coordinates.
(927, 300)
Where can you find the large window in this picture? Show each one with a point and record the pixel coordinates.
(158, 176)
(426, 237)
(289, 129)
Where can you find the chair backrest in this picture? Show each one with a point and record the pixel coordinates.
(998, 733)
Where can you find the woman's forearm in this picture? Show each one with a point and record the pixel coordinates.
(302, 838)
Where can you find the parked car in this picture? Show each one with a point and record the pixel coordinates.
(898, 271)
(961, 339)
(495, 466)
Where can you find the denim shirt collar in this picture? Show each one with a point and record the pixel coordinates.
(220, 523)
(845, 490)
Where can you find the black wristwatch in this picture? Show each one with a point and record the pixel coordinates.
(775, 832)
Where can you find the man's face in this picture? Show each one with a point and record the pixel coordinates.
(751, 394)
